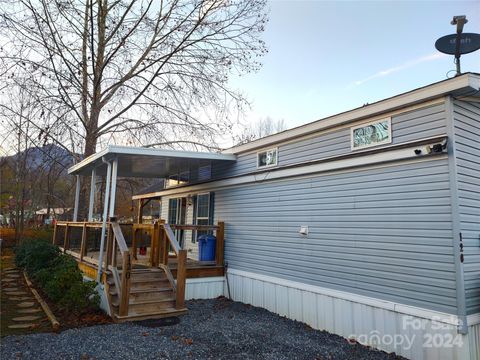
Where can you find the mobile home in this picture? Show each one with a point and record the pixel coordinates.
(365, 224)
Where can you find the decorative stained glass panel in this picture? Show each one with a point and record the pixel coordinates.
(372, 134)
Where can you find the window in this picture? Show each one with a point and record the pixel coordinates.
(371, 134)
(267, 158)
(203, 214)
(203, 208)
(172, 211)
(183, 177)
(178, 179)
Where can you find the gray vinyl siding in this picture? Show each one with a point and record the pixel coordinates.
(467, 153)
(382, 232)
(409, 126)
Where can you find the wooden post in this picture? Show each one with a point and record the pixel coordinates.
(55, 234)
(134, 242)
(65, 239)
(140, 211)
(114, 252)
(155, 253)
(125, 288)
(181, 278)
(220, 248)
(162, 243)
(108, 257)
(83, 245)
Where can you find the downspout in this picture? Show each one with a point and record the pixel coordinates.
(104, 218)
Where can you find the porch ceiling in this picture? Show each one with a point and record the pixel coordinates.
(146, 163)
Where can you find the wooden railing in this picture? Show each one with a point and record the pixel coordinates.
(219, 234)
(65, 242)
(163, 241)
(168, 237)
(153, 231)
(116, 244)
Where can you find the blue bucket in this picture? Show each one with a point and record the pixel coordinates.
(206, 247)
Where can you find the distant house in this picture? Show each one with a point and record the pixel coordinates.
(365, 224)
(41, 217)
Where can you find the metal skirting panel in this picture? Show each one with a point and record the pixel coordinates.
(414, 333)
(474, 341)
(204, 288)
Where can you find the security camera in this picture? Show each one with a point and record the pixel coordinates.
(444, 143)
(437, 148)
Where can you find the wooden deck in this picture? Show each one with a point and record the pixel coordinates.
(139, 286)
(195, 268)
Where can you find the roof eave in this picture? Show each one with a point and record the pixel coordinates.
(113, 150)
(429, 92)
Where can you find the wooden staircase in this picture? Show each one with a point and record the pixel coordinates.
(152, 295)
(144, 293)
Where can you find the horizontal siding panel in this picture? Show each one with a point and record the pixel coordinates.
(368, 232)
(409, 126)
(467, 152)
(438, 303)
(344, 251)
(372, 274)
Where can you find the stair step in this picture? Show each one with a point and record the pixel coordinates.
(133, 301)
(147, 308)
(133, 316)
(140, 280)
(134, 291)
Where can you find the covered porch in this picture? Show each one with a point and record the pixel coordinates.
(141, 266)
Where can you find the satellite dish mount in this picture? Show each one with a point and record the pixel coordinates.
(460, 21)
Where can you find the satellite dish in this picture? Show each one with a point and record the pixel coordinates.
(459, 43)
(469, 42)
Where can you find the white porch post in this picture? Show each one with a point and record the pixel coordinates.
(104, 220)
(91, 200)
(113, 190)
(77, 197)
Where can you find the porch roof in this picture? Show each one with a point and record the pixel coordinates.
(146, 163)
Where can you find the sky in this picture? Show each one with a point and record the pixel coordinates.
(326, 57)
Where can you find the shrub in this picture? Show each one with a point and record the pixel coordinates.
(57, 275)
(81, 295)
(35, 255)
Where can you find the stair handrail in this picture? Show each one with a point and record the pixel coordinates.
(116, 238)
(172, 239)
(181, 266)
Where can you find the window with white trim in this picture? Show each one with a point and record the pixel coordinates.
(267, 158)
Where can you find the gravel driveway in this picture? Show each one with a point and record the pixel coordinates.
(212, 329)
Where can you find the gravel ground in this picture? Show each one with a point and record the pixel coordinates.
(212, 329)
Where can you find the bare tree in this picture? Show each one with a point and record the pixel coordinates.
(140, 72)
(259, 129)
